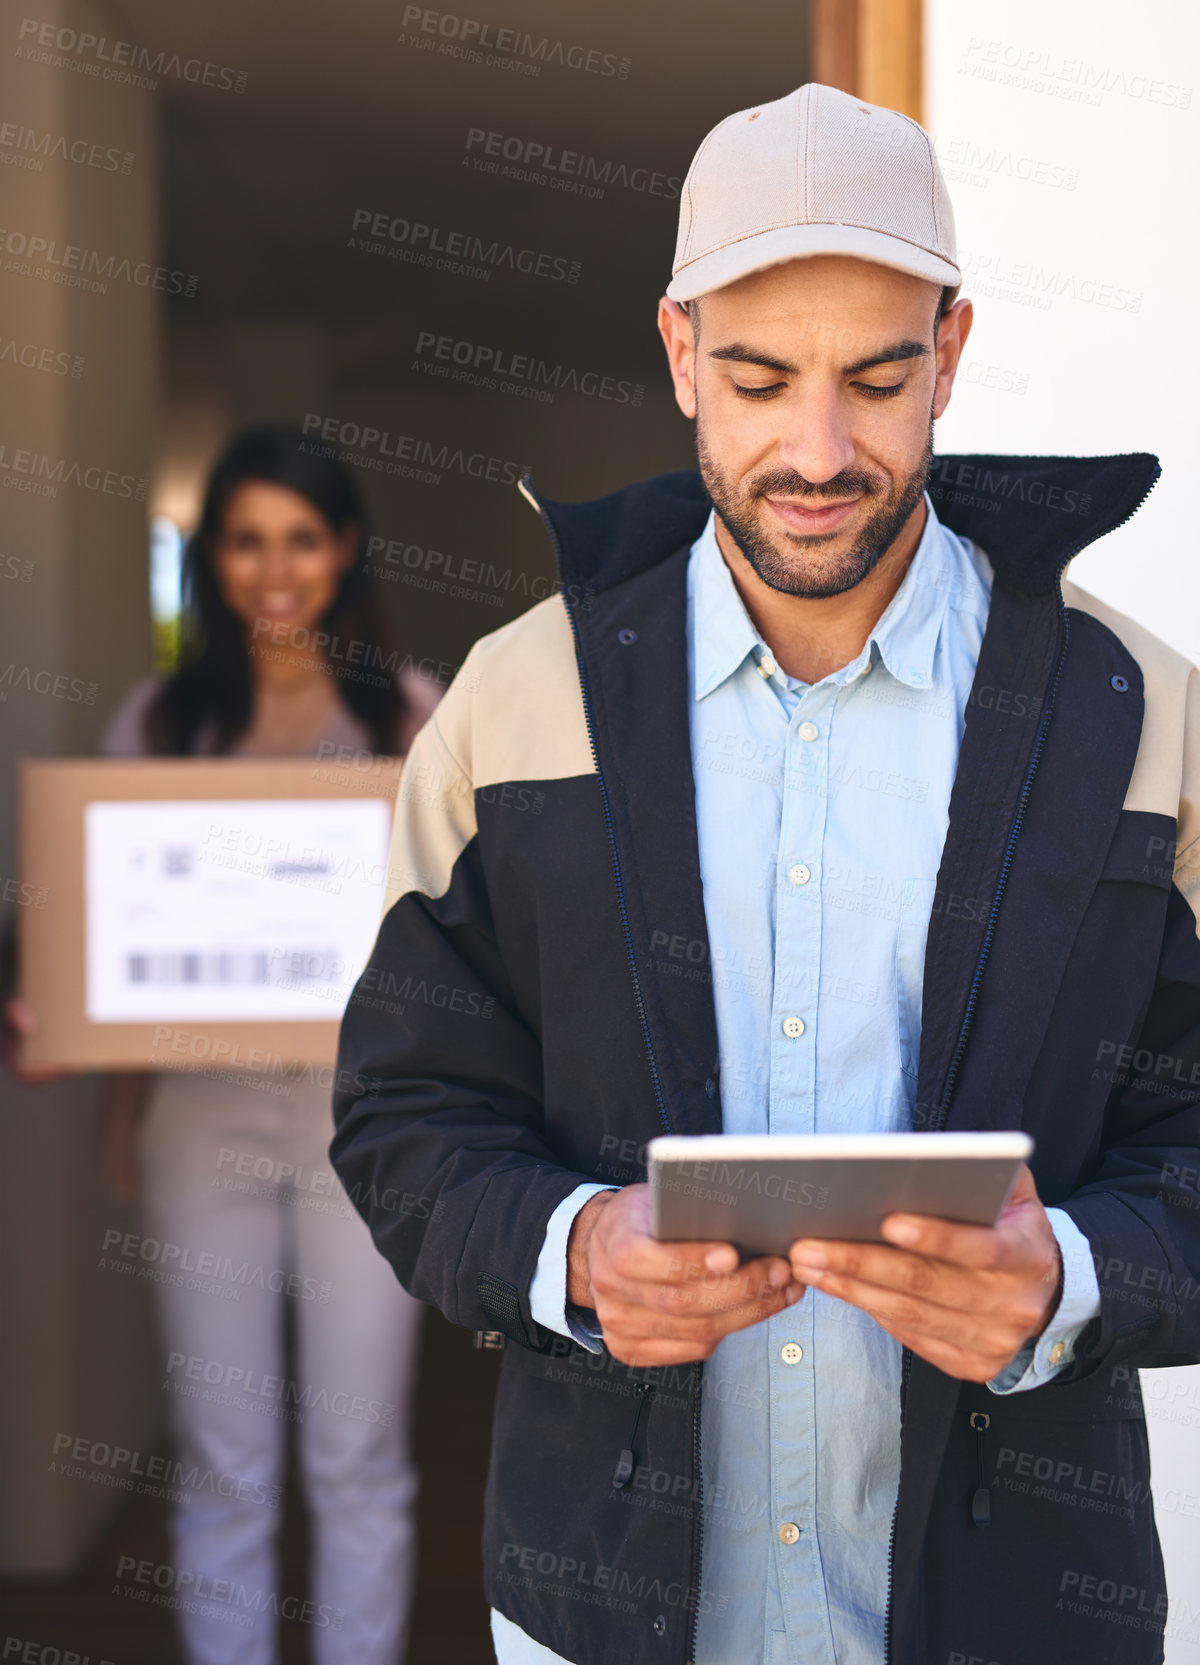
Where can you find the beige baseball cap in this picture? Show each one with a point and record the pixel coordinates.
(817, 172)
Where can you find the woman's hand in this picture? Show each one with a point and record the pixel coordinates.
(18, 1024)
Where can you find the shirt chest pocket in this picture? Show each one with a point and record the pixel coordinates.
(912, 930)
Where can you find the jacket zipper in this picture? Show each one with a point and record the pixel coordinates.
(969, 1011)
(1064, 627)
(1039, 744)
(697, 1564)
(981, 1497)
(606, 805)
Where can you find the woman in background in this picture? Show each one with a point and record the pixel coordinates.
(240, 1167)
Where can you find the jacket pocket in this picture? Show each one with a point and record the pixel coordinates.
(1067, 1567)
(1142, 849)
(912, 930)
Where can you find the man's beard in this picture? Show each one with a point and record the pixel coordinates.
(792, 563)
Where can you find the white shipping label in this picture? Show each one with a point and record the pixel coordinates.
(231, 910)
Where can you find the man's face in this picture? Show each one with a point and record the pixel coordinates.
(814, 385)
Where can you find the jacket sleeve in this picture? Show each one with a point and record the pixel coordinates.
(1140, 1209)
(440, 1139)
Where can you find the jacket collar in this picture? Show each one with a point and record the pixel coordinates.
(1030, 515)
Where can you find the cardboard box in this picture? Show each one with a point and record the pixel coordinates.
(197, 912)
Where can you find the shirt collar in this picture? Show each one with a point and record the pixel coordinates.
(904, 637)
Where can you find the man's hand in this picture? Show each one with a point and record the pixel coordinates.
(664, 1303)
(967, 1298)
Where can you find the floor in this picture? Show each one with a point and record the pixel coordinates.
(452, 1431)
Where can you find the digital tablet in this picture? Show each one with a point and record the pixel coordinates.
(761, 1191)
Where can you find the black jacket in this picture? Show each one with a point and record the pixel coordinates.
(526, 1025)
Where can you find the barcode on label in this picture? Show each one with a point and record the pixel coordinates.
(245, 967)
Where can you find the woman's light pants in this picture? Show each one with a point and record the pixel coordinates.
(237, 1179)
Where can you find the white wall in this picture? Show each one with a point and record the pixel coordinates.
(1117, 219)
(1070, 137)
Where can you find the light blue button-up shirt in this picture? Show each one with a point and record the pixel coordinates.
(821, 813)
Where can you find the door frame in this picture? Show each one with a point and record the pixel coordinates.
(870, 48)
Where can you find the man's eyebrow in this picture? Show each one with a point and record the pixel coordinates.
(889, 355)
(740, 353)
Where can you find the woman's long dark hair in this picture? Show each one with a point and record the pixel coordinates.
(213, 684)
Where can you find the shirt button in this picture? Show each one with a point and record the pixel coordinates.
(1058, 1352)
(766, 665)
(793, 1027)
(799, 874)
(789, 1532)
(791, 1352)
(807, 731)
